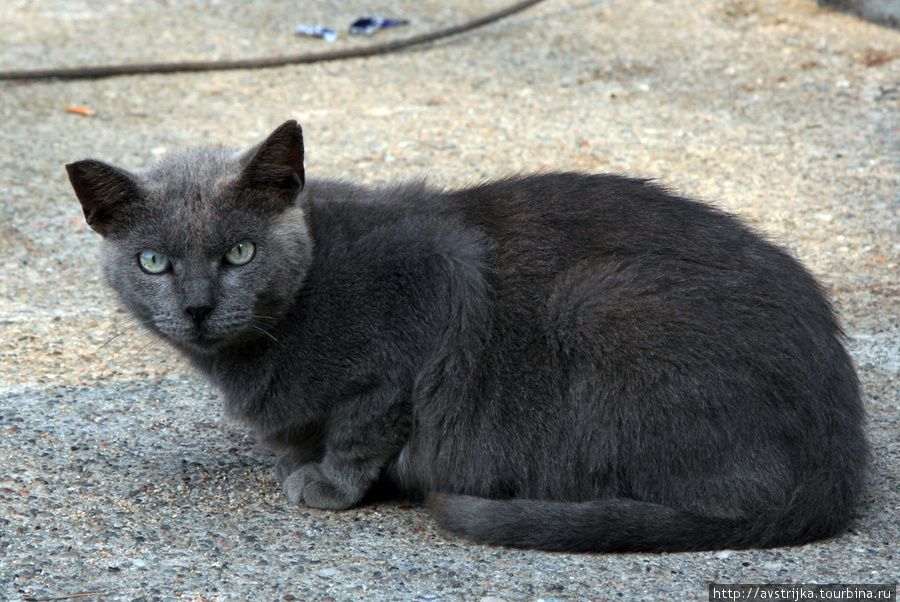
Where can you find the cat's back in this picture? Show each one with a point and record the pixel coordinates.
(551, 229)
(562, 214)
(576, 215)
(551, 246)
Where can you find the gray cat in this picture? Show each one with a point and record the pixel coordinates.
(559, 361)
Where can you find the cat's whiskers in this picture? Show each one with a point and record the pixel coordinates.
(154, 338)
(125, 326)
(268, 327)
(133, 326)
(267, 333)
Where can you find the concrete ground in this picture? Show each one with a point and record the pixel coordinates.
(119, 477)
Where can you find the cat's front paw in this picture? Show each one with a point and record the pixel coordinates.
(308, 486)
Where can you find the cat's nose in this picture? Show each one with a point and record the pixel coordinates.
(198, 313)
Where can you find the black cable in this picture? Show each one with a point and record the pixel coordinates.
(97, 72)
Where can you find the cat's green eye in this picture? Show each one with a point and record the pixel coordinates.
(153, 263)
(241, 253)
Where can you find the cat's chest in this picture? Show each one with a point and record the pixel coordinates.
(247, 380)
(318, 356)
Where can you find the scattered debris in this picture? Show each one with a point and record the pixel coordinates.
(366, 26)
(315, 31)
(78, 110)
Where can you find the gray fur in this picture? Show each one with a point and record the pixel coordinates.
(561, 361)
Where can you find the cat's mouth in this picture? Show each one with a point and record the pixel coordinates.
(212, 334)
(194, 339)
(205, 342)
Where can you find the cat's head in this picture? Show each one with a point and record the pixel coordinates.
(208, 247)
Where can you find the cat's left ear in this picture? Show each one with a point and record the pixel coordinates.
(275, 166)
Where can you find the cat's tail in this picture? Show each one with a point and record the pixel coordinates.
(616, 525)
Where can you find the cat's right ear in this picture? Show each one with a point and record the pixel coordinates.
(275, 166)
(103, 190)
